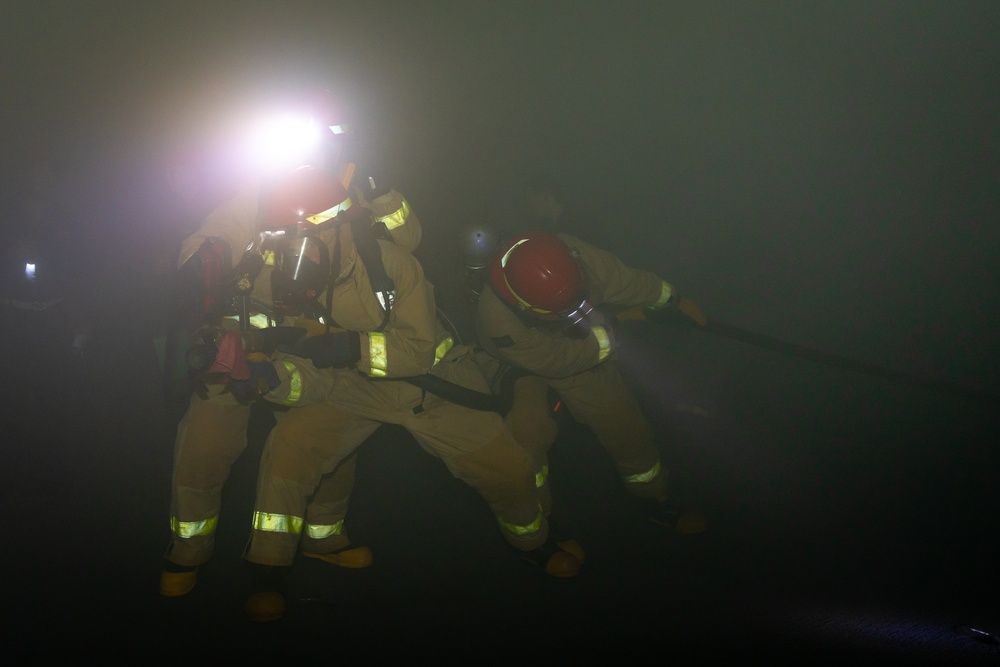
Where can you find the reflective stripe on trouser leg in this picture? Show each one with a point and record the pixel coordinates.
(305, 443)
(322, 531)
(328, 508)
(649, 484)
(502, 474)
(601, 400)
(530, 422)
(277, 523)
(522, 530)
(275, 536)
(500, 470)
(544, 490)
(211, 436)
(189, 529)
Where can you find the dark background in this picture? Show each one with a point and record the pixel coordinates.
(821, 173)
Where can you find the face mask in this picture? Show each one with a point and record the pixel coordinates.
(301, 272)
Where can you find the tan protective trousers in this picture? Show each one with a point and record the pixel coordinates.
(212, 435)
(475, 446)
(597, 398)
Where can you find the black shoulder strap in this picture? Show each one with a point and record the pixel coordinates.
(370, 255)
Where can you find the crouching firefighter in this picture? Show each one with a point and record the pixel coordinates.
(545, 308)
(409, 372)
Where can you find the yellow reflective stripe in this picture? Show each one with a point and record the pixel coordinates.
(268, 257)
(532, 527)
(506, 255)
(666, 291)
(642, 477)
(377, 354)
(294, 384)
(277, 523)
(397, 218)
(603, 342)
(318, 532)
(331, 212)
(443, 348)
(541, 477)
(260, 320)
(193, 528)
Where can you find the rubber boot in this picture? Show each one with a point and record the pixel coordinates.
(269, 591)
(353, 558)
(556, 561)
(177, 580)
(563, 540)
(677, 521)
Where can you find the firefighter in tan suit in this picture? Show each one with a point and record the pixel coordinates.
(544, 317)
(212, 433)
(404, 360)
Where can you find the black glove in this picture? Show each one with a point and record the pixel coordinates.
(333, 350)
(263, 378)
(681, 305)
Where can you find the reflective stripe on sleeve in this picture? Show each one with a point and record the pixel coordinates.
(193, 528)
(377, 354)
(260, 320)
(516, 529)
(294, 384)
(603, 341)
(442, 349)
(643, 477)
(666, 293)
(277, 523)
(319, 532)
(397, 218)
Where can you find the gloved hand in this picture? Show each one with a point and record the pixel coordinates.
(634, 313)
(683, 305)
(333, 350)
(691, 309)
(263, 378)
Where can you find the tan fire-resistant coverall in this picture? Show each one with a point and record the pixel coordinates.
(582, 371)
(474, 445)
(212, 433)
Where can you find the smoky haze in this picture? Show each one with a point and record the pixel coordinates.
(825, 173)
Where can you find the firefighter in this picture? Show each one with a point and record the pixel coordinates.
(408, 372)
(543, 319)
(228, 251)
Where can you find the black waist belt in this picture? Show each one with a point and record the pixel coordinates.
(456, 393)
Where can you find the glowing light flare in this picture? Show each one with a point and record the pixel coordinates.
(281, 142)
(29, 271)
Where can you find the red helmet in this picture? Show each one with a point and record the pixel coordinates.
(307, 196)
(538, 273)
